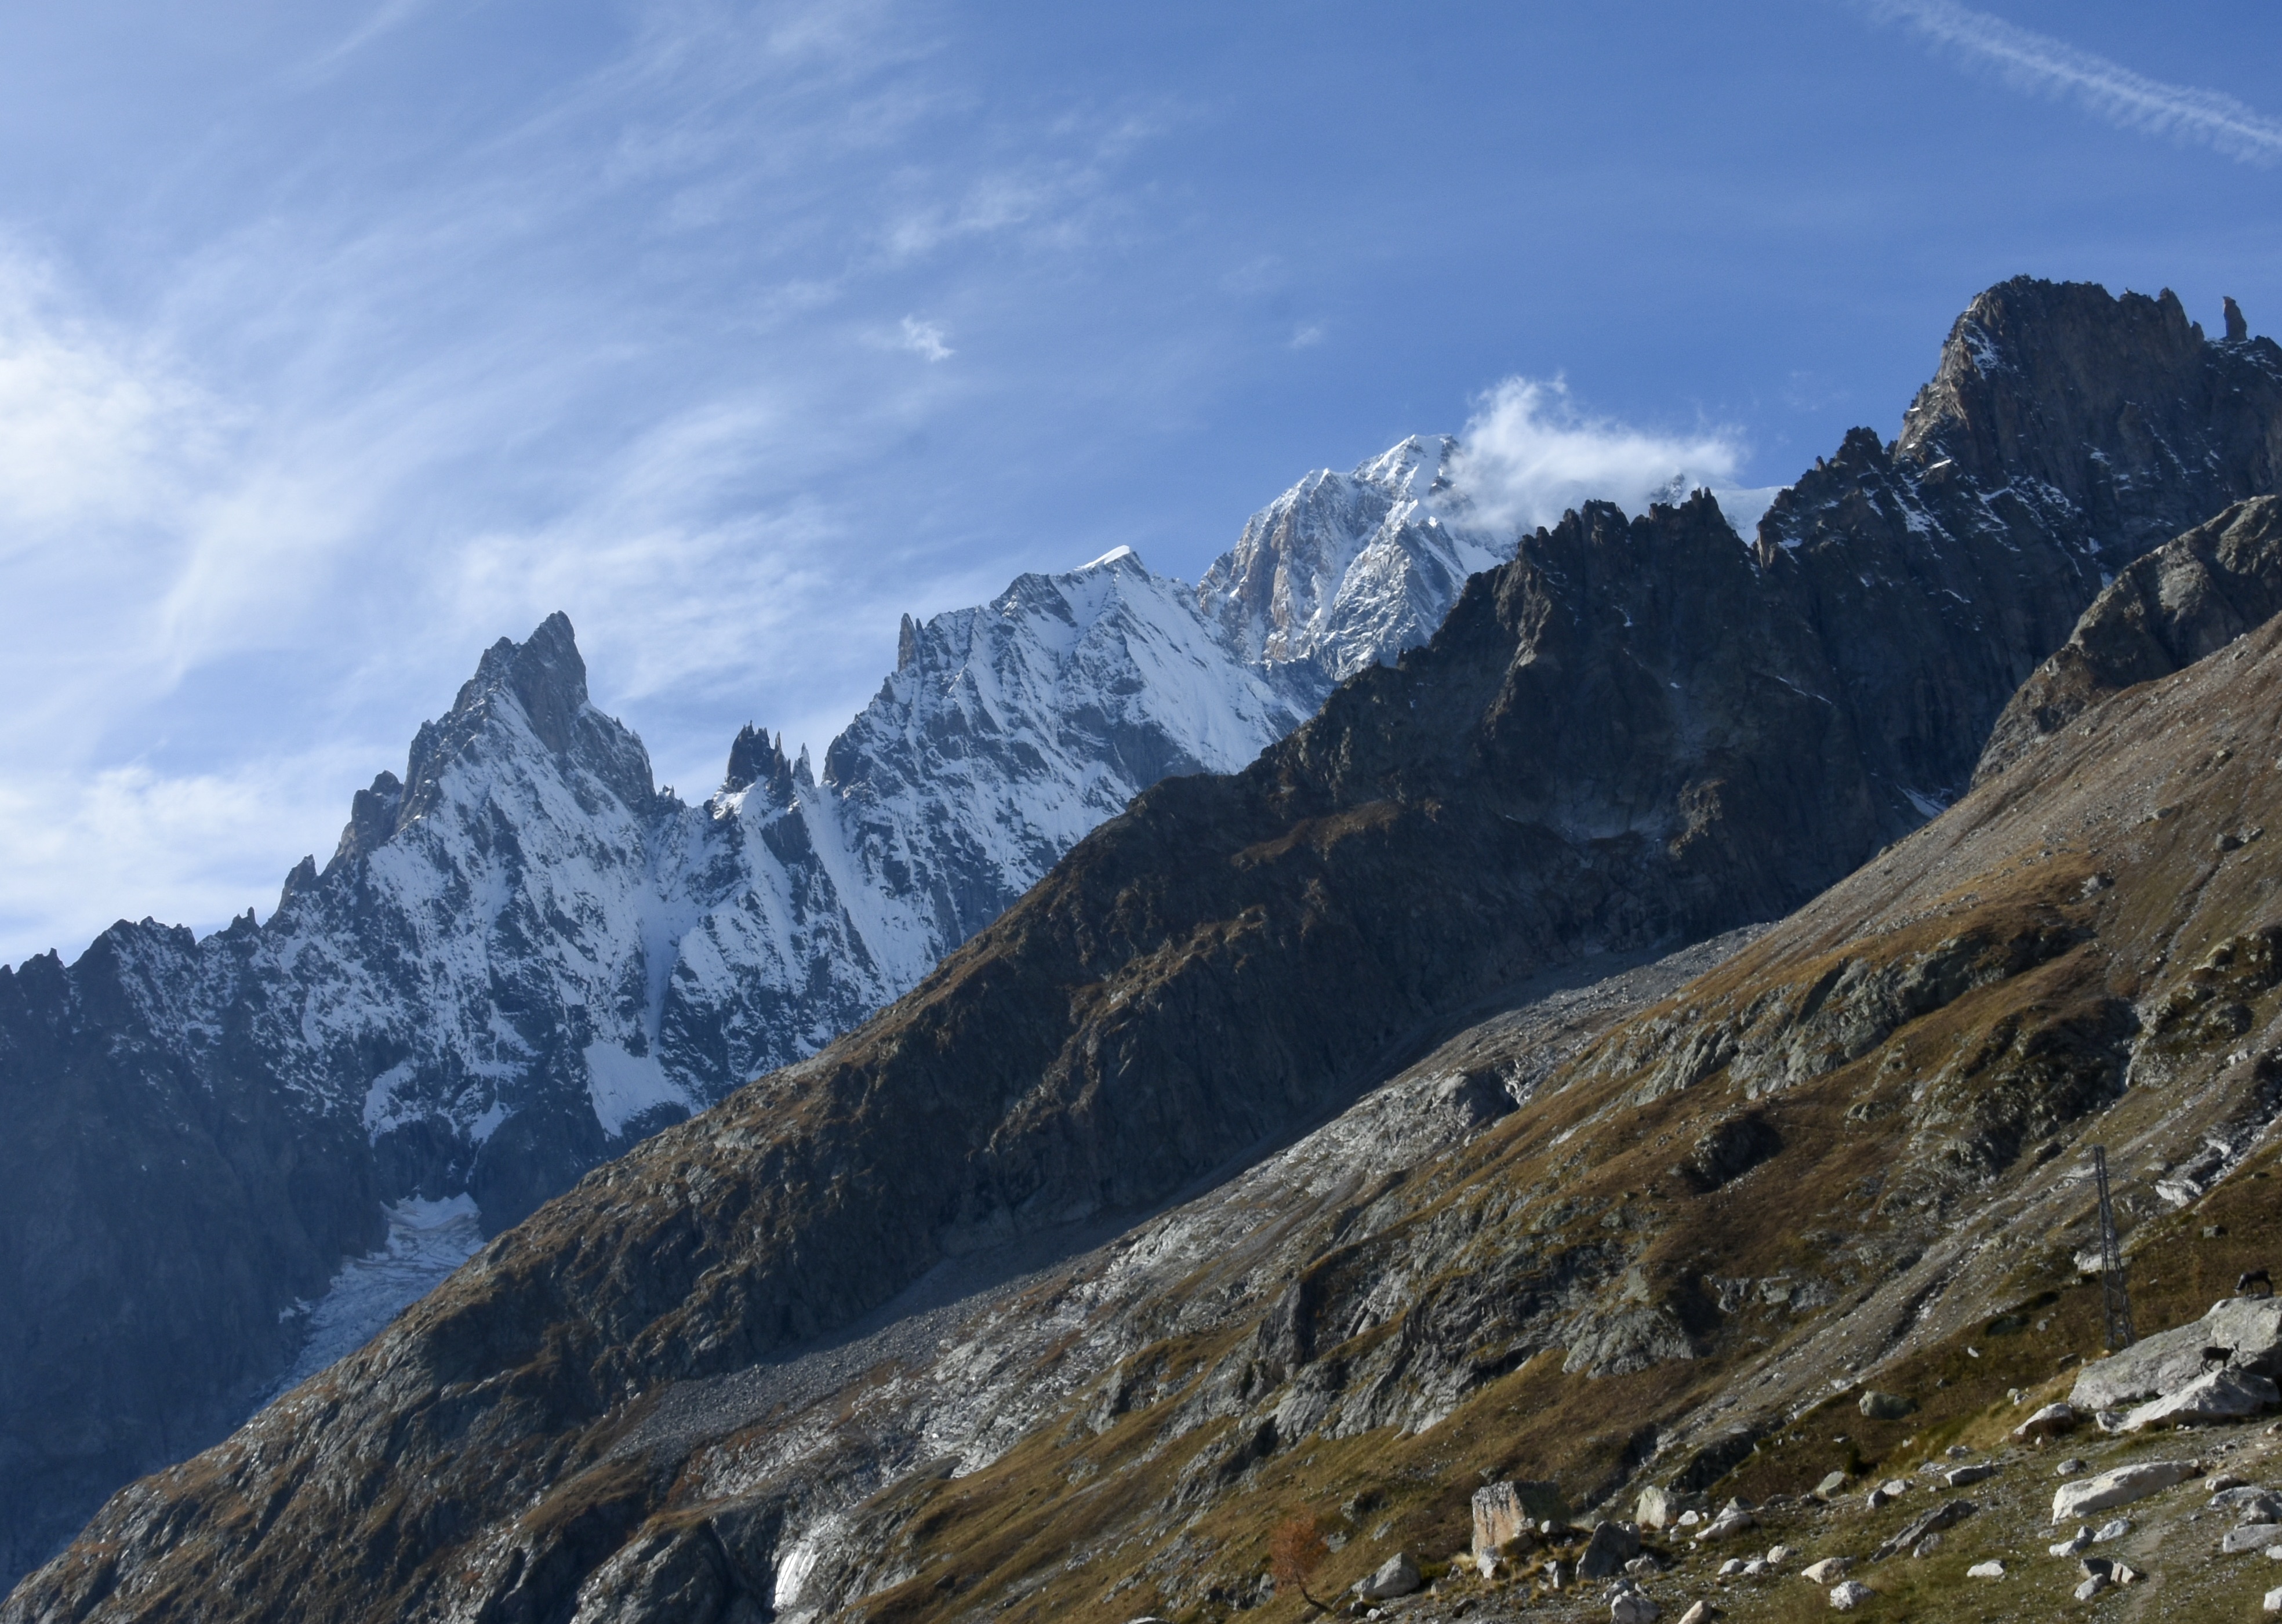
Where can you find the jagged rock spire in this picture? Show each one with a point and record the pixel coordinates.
(2237, 329)
(754, 759)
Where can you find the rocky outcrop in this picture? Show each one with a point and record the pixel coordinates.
(2241, 1333)
(2084, 430)
(2188, 598)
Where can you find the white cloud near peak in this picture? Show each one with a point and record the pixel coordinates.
(1528, 455)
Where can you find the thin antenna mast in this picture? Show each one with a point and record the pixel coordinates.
(2114, 1295)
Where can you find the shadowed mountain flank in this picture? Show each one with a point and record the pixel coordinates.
(2190, 597)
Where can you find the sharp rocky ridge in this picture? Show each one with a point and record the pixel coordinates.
(1639, 731)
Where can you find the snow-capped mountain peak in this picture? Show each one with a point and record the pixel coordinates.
(1344, 570)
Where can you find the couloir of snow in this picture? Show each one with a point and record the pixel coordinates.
(426, 1241)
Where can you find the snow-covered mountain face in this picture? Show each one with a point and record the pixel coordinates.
(522, 956)
(1343, 568)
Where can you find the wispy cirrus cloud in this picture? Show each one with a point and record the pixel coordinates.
(925, 340)
(2106, 89)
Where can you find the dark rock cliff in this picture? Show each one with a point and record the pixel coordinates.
(121, 1353)
(1637, 732)
(2189, 598)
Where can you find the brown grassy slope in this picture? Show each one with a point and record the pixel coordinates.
(1928, 1179)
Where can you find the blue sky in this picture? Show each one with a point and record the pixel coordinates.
(337, 341)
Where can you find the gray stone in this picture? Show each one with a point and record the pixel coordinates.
(2079, 1541)
(1963, 1475)
(2250, 1536)
(1946, 1515)
(2274, 1599)
(1878, 1406)
(1397, 1576)
(1701, 1612)
(2053, 1421)
(1849, 1595)
(2114, 1528)
(1503, 1512)
(1612, 1545)
(1631, 1608)
(2119, 1486)
(1992, 1569)
(1827, 1571)
(1657, 1508)
(2249, 1328)
(1834, 1485)
(2222, 1395)
(2070, 1467)
(2091, 1586)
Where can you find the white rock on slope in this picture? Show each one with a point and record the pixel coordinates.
(2119, 1486)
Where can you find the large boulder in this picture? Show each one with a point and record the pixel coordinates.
(1397, 1576)
(1503, 1512)
(2222, 1395)
(2248, 1329)
(2053, 1421)
(2119, 1486)
(1612, 1545)
(1877, 1406)
(1632, 1607)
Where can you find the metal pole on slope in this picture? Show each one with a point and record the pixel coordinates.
(2114, 1296)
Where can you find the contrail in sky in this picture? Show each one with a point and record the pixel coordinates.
(2134, 101)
